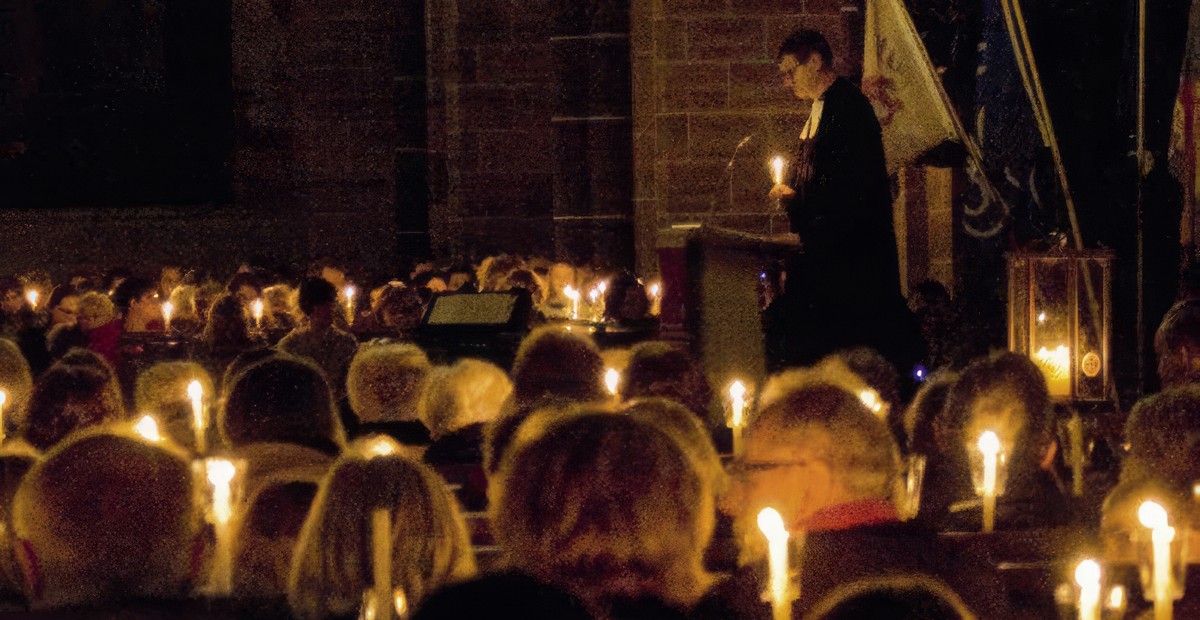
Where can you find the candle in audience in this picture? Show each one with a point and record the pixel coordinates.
(220, 474)
(594, 301)
(32, 295)
(1116, 601)
(989, 445)
(570, 293)
(612, 381)
(1154, 517)
(401, 603)
(168, 309)
(1075, 435)
(381, 560)
(1087, 575)
(257, 310)
(147, 427)
(3, 401)
(737, 404)
(777, 170)
(771, 524)
(349, 292)
(655, 299)
(199, 423)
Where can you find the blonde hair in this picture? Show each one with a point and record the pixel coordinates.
(685, 427)
(162, 390)
(332, 563)
(469, 392)
(17, 382)
(385, 381)
(98, 305)
(607, 506)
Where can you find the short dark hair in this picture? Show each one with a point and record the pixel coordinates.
(316, 292)
(130, 289)
(803, 43)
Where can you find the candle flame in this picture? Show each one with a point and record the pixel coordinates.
(220, 473)
(1056, 362)
(1087, 574)
(737, 390)
(1152, 515)
(603, 286)
(382, 446)
(654, 289)
(168, 308)
(1116, 597)
(771, 524)
(870, 398)
(32, 296)
(401, 602)
(195, 390)
(570, 292)
(257, 309)
(777, 169)
(349, 292)
(593, 294)
(3, 398)
(1041, 318)
(147, 427)
(612, 378)
(989, 443)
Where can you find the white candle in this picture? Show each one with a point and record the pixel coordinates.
(612, 380)
(1087, 575)
(349, 292)
(3, 401)
(199, 423)
(220, 474)
(570, 293)
(777, 170)
(1056, 366)
(257, 310)
(147, 427)
(655, 299)
(381, 560)
(737, 403)
(168, 308)
(32, 296)
(771, 524)
(989, 445)
(1154, 516)
(594, 300)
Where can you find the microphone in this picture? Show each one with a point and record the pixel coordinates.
(728, 176)
(738, 148)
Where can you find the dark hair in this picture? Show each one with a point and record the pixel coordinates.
(68, 397)
(316, 292)
(1180, 327)
(60, 292)
(226, 326)
(803, 43)
(554, 361)
(130, 289)
(244, 278)
(657, 368)
(281, 399)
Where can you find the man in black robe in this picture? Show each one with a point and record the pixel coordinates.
(843, 288)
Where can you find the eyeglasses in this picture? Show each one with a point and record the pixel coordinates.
(742, 468)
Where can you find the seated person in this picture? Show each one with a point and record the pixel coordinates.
(318, 338)
(456, 405)
(383, 384)
(1163, 434)
(1177, 345)
(162, 391)
(69, 397)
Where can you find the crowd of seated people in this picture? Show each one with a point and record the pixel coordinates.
(535, 489)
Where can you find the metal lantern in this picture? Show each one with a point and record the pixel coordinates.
(1060, 315)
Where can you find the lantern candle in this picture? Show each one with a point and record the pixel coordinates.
(989, 445)
(1154, 517)
(381, 560)
(1087, 575)
(737, 404)
(168, 309)
(570, 293)
(147, 427)
(257, 310)
(32, 295)
(612, 380)
(771, 524)
(1056, 366)
(199, 423)
(220, 474)
(349, 292)
(3, 401)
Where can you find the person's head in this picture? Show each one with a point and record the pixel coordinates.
(682, 425)
(805, 61)
(332, 563)
(281, 399)
(469, 392)
(227, 325)
(63, 305)
(554, 361)
(280, 306)
(894, 597)
(879, 374)
(317, 300)
(1177, 344)
(660, 369)
(385, 381)
(183, 303)
(245, 287)
(607, 506)
(106, 517)
(922, 412)
(1006, 394)
(95, 309)
(162, 391)
(399, 307)
(12, 295)
(1163, 432)
(137, 299)
(68, 397)
(518, 594)
(333, 274)
(17, 382)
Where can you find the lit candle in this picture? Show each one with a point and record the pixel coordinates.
(199, 423)
(870, 398)
(257, 310)
(655, 299)
(1075, 435)
(989, 445)
(381, 560)
(1154, 516)
(570, 293)
(382, 446)
(1056, 366)
(777, 170)
(594, 300)
(349, 292)
(1087, 575)
(737, 403)
(771, 524)
(401, 603)
(147, 427)
(220, 474)
(612, 380)
(168, 309)
(3, 401)
(32, 295)
(1116, 601)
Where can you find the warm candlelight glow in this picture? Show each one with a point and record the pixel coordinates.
(1116, 597)
(570, 293)
(655, 289)
(989, 446)
(199, 422)
(1041, 318)
(168, 309)
(1154, 516)
(737, 404)
(220, 473)
(382, 446)
(401, 603)
(32, 295)
(771, 524)
(381, 559)
(870, 398)
(256, 309)
(612, 380)
(3, 401)
(777, 169)
(147, 427)
(1056, 366)
(349, 292)
(655, 299)
(1087, 575)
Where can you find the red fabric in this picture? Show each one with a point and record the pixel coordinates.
(851, 514)
(105, 341)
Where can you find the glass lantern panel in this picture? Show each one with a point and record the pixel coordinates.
(1019, 315)
(1092, 310)
(1053, 322)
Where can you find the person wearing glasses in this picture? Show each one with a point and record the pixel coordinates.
(820, 457)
